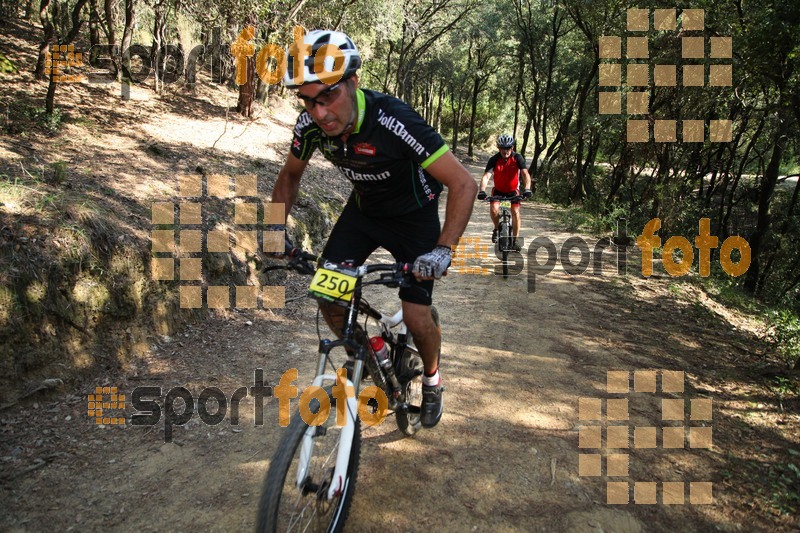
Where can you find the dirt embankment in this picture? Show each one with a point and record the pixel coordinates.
(78, 294)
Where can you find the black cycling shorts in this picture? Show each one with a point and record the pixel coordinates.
(355, 236)
(511, 194)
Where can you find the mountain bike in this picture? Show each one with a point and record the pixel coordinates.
(505, 233)
(311, 477)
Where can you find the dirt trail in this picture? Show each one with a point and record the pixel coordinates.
(504, 457)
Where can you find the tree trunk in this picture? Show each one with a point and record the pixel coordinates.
(438, 120)
(768, 183)
(474, 111)
(72, 34)
(745, 158)
(247, 90)
(262, 91)
(49, 102)
(111, 33)
(111, 19)
(159, 31)
(785, 229)
(94, 31)
(429, 91)
(47, 40)
(525, 137)
(518, 92)
(578, 190)
(191, 65)
(127, 37)
(455, 128)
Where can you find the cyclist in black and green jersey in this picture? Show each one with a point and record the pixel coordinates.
(398, 166)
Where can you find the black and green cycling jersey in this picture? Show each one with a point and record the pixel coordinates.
(385, 156)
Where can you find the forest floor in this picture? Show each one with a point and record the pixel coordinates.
(506, 456)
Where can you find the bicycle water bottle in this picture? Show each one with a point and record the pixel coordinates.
(381, 351)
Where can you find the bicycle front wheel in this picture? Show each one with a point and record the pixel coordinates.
(293, 501)
(505, 246)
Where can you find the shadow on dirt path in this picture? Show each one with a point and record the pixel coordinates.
(504, 457)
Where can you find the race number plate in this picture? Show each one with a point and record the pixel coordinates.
(505, 203)
(332, 284)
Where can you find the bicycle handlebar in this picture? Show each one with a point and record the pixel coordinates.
(501, 198)
(304, 262)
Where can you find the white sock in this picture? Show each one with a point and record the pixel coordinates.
(431, 381)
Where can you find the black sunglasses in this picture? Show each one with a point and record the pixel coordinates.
(325, 97)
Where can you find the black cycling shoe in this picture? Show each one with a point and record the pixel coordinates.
(431, 405)
(515, 245)
(494, 235)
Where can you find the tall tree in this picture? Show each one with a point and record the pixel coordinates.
(57, 29)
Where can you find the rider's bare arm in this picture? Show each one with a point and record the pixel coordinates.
(526, 179)
(461, 191)
(485, 180)
(287, 185)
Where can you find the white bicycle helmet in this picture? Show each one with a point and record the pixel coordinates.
(505, 141)
(331, 68)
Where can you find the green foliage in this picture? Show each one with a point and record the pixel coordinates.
(728, 292)
(784, 388)
(573, 218)
(50, 122)
(590, 217)
(6, 66)
(785, 485)
(59, 172)
(784, 332)
(606, 220)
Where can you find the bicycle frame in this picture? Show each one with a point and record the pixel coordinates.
(355, 306)
(505, 216)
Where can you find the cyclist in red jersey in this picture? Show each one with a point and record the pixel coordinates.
(506, 167)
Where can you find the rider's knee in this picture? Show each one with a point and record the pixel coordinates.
(420, 323)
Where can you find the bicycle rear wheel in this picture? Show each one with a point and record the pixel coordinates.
(289, 505)
(410, 376)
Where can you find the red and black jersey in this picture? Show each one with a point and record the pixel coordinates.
(506, 171)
